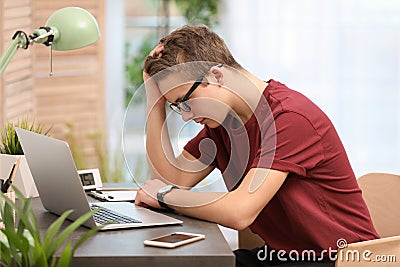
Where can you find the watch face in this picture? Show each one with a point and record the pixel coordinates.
(165, 189)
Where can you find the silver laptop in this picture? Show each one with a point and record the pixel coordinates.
(60, 188)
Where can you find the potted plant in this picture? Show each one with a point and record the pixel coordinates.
(21, 243)
(10, 150)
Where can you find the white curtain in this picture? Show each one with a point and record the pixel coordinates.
(342, 54)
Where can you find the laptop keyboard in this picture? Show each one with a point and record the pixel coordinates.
(107, 216)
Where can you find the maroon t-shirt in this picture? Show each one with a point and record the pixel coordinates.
(320, 201)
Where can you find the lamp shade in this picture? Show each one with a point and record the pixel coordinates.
(74, 27)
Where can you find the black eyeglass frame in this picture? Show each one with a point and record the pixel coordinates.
(182, 105)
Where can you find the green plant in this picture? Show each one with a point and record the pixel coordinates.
(195, 12)
(23, 244)
(200, 11)
(134, 69)
(102, 156)
(9, 139)
(75, 146)
(109, 171)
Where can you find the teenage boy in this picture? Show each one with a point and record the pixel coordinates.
(286, 170)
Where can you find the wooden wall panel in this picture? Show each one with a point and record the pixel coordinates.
(74, 95)
(1, 52)
(16, 83)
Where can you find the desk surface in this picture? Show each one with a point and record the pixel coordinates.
(125, 247)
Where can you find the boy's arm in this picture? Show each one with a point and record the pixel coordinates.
(184, 170)
(236, 209)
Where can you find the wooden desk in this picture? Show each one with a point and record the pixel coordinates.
(125, 247)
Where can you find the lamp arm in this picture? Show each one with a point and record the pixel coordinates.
(44, 35)
(19, 40)
(78, 27)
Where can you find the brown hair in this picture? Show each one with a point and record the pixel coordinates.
(188, 44)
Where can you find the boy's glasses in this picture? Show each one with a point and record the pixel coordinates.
(181, 104)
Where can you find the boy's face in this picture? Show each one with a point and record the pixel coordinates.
(206, 104)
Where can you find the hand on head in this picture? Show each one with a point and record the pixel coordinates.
(154, 96)
(157, 51)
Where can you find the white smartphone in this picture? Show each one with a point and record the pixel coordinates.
(174, 240)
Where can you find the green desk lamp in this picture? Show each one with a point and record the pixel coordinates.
(67, 29)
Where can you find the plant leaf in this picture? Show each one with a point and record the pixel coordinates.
(88, 234)
(49, 239)
(25, 247)
(14, 242)
(8, 213)
(26, 216)
(39, 258)
(5, 254)
(60, 239)
(66, 256)
(9, 138)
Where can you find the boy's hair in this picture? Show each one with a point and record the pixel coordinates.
(189, 44)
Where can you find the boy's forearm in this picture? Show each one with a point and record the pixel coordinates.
(218, 207)
(158, 146)
(236, 209)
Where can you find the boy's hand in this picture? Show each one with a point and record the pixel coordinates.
(147, 195)
(157, 51)
(154, 96)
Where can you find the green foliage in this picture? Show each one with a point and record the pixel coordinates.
(196, 12)
(109, 171)
(9, 139)
(134, 69)
(76, 148)
(200, 11)
(22, 244)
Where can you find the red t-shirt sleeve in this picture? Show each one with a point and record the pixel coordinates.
(202, 147)
(298, 145)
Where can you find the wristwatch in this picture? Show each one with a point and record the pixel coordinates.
(162, 192)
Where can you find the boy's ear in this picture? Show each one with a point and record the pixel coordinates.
(218, 75)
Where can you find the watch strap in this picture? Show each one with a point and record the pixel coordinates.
(160, 198)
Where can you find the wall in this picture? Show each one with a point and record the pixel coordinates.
(344, 55)
(75, 94)
(16, 83)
